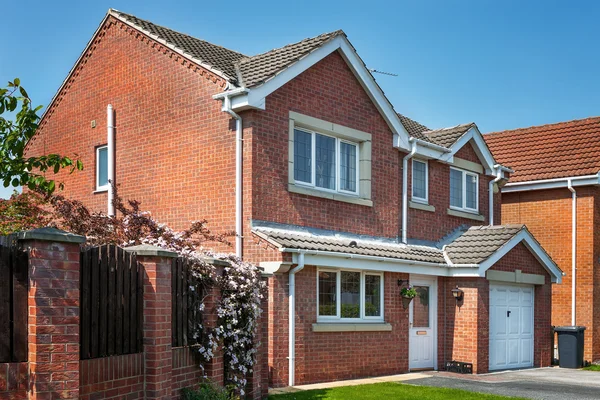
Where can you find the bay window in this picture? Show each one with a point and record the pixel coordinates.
(349, 296)
(464, 189)
(325, 162)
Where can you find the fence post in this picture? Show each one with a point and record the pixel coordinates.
(53, 299)
(157, 319)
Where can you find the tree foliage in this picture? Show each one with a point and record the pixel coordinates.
(18, 123)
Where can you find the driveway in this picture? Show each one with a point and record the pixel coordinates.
(540, 383)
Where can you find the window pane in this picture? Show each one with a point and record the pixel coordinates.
(302, 156)
(471, 191)
(421, 307)
(456, 188)
(327, 293)
(350, 294)
(419, 180)
(348, 167)
(372, 295)
(102, 166)
(325, 158)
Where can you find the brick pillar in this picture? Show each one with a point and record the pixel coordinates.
(258, 382)
(215, 368)
(53, 299)
(157, 319)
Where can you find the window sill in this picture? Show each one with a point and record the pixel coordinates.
(100, 191)
(421, 206)
(465, 214)
(359, 327)
(327, 195)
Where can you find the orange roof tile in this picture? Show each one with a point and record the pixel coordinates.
(549, 151)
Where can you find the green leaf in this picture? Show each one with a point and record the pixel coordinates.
(79, 165)
(17, 82)
(23, 92)
(51, 186)
(15, 182)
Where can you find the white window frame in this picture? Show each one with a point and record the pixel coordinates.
(412, 174)
(338, 296)
(338, 164)
(99, 187)
(464, 191)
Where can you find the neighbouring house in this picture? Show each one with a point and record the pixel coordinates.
(555, 191)
(340, 199)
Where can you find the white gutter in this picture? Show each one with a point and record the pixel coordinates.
(573, 252)
(410, 155)
(554, 183)
(239, 140)
(110, 147)
(292, 319)
(491, 194)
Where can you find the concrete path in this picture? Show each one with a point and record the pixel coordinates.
(539, 383)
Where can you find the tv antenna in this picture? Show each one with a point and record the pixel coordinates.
(382, 73)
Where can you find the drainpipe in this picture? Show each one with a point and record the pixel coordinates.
(292, 318)
(110, 147)
(405, 188)
(573, 251)
(238, 175)
(491, 194)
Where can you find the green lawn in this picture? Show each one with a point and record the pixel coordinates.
(386, 391)
(593, 367)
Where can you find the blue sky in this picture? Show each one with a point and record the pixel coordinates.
(503, 64)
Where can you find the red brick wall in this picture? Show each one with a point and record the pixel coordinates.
(547, 214)
(117, 377)
(426, 225)
(328, 356)
(185, 372)
(464, 331)
(13, 381)
(174, 146)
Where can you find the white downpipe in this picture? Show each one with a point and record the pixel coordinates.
(407, 157)
(239, 139)
(573, 253)
(491, 193)
(110, 147)
(292, 319)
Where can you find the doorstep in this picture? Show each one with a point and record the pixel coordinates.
(351, 382)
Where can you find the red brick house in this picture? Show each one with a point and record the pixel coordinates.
(555, 191)
(342, 200)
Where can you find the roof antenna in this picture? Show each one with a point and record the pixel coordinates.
(382, 73)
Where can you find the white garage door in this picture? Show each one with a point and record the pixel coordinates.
(511, 326)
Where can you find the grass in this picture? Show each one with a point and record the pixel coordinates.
(387, 391)
(593, 367)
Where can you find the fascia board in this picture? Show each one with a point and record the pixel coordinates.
(481, 149)
(550, 184)
(255, 97)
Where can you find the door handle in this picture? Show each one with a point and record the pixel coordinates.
(508, 313)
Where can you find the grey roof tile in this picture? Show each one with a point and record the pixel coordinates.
(448, 136)
(479, 243)
(218, 57)
(257, 69)
(414, 128)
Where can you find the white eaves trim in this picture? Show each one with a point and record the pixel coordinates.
(255, 97)
(481, 148)
(536, 249)
(585, 180)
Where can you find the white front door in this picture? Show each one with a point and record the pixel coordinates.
(511, 326)
(422, 317)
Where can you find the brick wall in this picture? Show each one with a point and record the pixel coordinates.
(118, 377)
(547, 214)
(464, 331)
(328, 356)
(185, 372)
(13, 381)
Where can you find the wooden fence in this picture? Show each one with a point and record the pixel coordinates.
(185, 303)
(13, 304)
(111, 302)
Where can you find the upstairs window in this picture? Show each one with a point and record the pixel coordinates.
(102, 168)
(419, 181)
(464, 189)
(325, 162)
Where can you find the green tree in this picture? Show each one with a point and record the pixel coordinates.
(18, 123)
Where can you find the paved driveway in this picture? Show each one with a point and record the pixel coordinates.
(542, 383)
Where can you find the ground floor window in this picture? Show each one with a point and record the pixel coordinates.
(347, 295)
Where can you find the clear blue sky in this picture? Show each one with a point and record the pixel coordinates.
(502, 64)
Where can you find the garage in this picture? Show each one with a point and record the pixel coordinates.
(511, 326)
